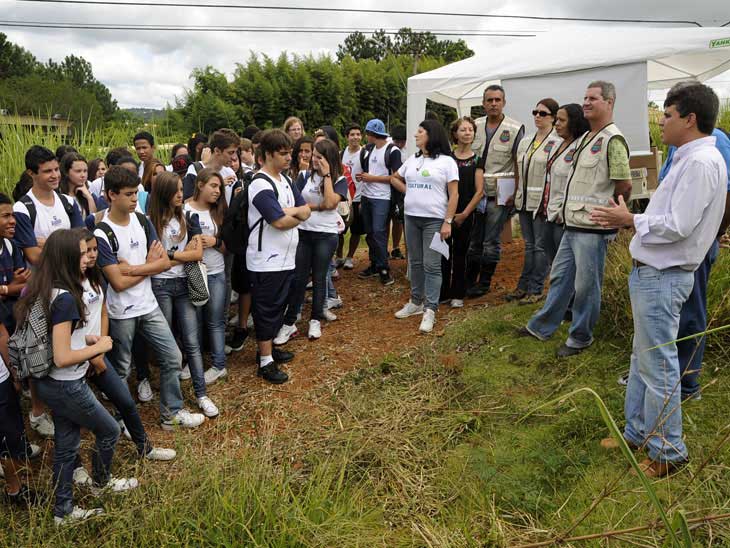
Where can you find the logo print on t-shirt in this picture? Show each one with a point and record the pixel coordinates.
(504, 136)
(133, 244)
(55, 221)
(596, 148)
(92, 297)
(425, 173)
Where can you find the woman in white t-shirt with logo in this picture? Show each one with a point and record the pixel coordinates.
(209, 202)
(323, 190)
(430, 180)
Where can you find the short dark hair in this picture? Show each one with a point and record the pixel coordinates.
(36, 156)
(176, 147)
(117, 178)
(273, 140)
(438, 140)
(697, 98)
(352, 126)
(144, 136)
(62, 150)
(115, 154)
(127, 160)
(256, 137)
(577, 123)
(494, 87)
(246, 144)
(223, 139)
(399, 132)
(250, 131)
(4, 199)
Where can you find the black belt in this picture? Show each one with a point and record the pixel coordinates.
(638, 264)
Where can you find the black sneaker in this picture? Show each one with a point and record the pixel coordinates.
(237, 339)
(272, 373)
(476, 291)
(280, 356)
(386, 278)
(369, 272)
(24, 497)
(396, 254)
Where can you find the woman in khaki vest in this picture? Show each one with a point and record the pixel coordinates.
(532, 156)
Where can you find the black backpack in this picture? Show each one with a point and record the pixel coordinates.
(368, 149)
(112, 237)
(189, 180)
(235, 232)
(33, 213)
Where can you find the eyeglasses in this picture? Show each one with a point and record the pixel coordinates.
(541, 113)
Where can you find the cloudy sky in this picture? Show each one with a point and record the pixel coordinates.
(151, 68)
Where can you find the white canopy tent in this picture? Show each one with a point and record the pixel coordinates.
(559, 64)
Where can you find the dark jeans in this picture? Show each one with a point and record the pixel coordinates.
(314, 254)
(374, 215)
(453, 269)
(692, 320)
(485, 245)
(553, 233)
(534, 268)
(118, 393)
(74, 406)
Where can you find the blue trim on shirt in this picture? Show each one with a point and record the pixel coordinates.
(722, 142)
(64, 309)
(268, 205)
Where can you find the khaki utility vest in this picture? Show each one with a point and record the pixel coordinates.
(532, 166)
(589, 184)
(560, 167)
(498, 151)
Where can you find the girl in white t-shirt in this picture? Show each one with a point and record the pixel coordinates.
(430, 180)
(209, 203)
(73, 311)
(179, 233)
(74, 182)
(322, 191)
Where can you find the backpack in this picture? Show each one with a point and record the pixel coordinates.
(189, 180)
(30, 348)
(235, 231)
(368, 149)
(112, 237)
(33, 213)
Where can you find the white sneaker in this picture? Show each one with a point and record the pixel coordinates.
(234, 297)
(116, 485)
(429, 318)
(249, 322)
(409, 309)
(310, 285)
(124, 430)
(42, 424)
(35, 450)
(233, 320)
(158, 453)
(457, 303)
(213, 374)
(315, 330)
(334, 302)
(185, 373)
(285, 333)
(207, 407)
(77, 514)
(82, 477)
(329, 316)
(2, 472)
(144, 391)
(348, 265)
(335, 275)
(183, 419)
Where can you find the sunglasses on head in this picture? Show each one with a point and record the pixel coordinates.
(540, 113)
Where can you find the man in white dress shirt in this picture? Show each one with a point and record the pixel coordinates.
(672, 238)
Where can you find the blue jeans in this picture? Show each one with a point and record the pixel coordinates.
(118, 393)
(552, 234)
(174, 301)
(156, 331)
(578, 267)
(213, 316)
(314, 254)
(485, 245)
(692, 320)
(424, 264)
(534, 269)
(331, 291)
(653, 406)
(74, 406)
(374, 215)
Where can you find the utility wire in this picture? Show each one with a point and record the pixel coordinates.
(176, 28)
(360, 10)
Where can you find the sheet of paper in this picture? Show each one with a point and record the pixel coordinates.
(505, 190)
(439, 246)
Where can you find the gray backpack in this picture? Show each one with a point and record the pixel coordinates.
(30, 347)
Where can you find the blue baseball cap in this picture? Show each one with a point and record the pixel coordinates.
(377, 127)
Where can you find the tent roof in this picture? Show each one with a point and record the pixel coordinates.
(672, 55)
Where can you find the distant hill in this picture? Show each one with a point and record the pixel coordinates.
(147, 114)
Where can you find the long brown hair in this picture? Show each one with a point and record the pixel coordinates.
(149, 170)
(218, 209)
(67, 162)
(328, 149)
(59, 267)
(160, 210)
(92, 273)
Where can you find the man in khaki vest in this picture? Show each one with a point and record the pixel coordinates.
(496, 141)
(600, 173)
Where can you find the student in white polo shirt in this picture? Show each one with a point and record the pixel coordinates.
(38, 214)
(129, 253)
(275, 209)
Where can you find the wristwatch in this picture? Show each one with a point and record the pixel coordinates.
(449, 220)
